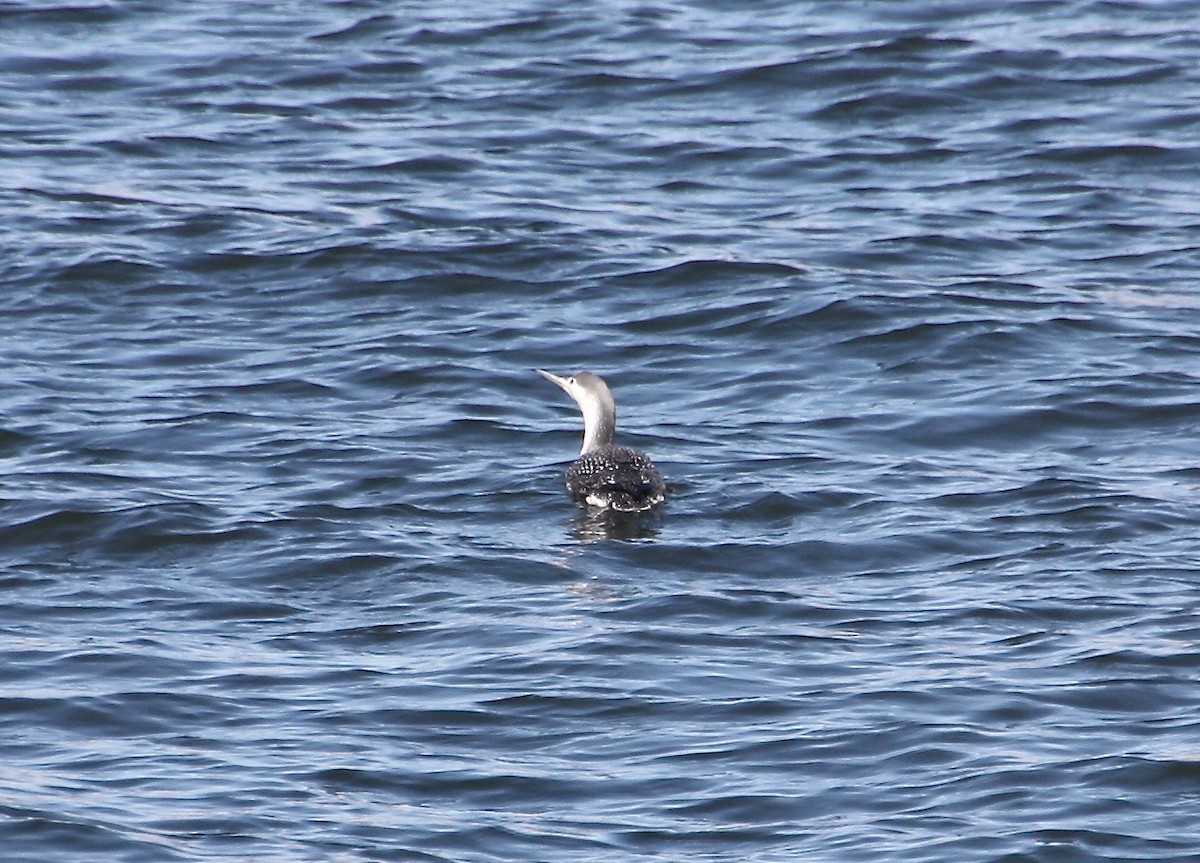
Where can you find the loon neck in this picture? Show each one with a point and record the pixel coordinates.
(599, 423)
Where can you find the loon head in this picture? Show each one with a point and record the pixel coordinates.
(595, 402)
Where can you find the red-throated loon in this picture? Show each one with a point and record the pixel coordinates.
(606, 475)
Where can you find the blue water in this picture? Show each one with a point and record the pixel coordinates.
(902, 299)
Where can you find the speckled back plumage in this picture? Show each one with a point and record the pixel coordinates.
(616, 477)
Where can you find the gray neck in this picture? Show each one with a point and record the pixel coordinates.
(599, 421)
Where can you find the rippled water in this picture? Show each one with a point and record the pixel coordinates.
(901, 297)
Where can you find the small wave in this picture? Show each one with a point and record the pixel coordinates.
(1094, 153)
(370, 26)
(702, 272)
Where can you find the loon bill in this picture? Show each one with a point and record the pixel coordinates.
(606, 475)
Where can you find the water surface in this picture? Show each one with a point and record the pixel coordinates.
(901, 298)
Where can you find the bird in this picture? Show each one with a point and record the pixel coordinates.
(605, 475)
